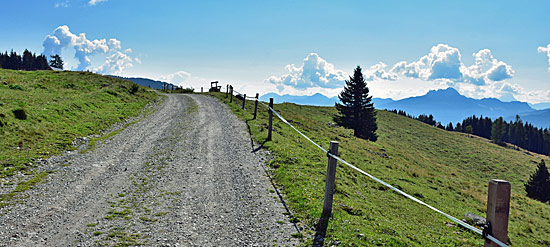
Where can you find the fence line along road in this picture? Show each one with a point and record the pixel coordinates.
(495, 196)
(460, 222)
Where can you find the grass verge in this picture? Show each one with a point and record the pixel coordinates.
(42, 112)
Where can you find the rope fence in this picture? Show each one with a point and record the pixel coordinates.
(486, 232)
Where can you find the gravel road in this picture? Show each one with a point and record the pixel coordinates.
(184, 175)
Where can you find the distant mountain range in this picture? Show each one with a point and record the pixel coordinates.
(446, 105)
(145, 82)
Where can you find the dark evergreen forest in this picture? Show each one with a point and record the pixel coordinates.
(517, 133)
(28, 61)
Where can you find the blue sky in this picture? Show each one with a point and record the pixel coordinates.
(298, 47)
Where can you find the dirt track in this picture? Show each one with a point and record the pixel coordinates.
(184, 175)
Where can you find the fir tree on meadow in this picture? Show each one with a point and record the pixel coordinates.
(538, 186)
(56, 62)
(356, 110)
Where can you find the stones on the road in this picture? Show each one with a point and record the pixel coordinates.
(176, 178)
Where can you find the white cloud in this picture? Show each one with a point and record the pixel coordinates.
(443, 62)
(115, 64)
(314, 72)
(94, 2)
(546, 50)
(62, 38)
(487, 68)
(378, 71)
(178, 78)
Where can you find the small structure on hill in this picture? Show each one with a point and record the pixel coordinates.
(214, 87)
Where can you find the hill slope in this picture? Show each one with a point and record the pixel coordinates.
(58, 107)
(448, 170)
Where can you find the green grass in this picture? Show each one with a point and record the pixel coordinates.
(448, 170)
(58, 107)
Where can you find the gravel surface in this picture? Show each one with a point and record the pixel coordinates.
(184, 175)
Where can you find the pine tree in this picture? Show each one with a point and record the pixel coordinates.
(356, 108)
(28, 60)
(450, 127)
(538, 186)
(498, 131)
(56, 62)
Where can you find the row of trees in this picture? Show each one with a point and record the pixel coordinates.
(29, 61)
(520, 134)
(428, 119)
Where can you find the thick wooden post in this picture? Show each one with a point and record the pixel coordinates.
(231, 92)
(201, 90)
(498, 207)
(256, 105)
(270, 129)
(329, 193)
(226, 90)
(244, 100)
(329, 182)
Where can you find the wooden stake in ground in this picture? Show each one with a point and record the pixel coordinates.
(270, 119)
(498, 207)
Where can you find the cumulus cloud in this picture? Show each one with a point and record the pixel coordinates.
(378, 71)
(63, 38)
(94, 2)
(115, 64)
(444, 63)
(314, 72)
(486, 68)
(177, 78)
(546, 50)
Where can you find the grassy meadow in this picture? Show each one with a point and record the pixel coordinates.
(448, 170)
(42, 112)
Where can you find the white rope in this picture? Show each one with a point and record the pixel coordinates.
(462, 223)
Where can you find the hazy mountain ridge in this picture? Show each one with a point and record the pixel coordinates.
(446, 105)
(145, 82)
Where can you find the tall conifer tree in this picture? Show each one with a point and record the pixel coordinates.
(356, 108)
(538, 186)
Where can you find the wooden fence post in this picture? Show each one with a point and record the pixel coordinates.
(270, 129)
(201, 90)
(256, 105)
(498, 207)
(226, 90)
(244, 100)
(329, 193)
(329, 183)
(231, 92)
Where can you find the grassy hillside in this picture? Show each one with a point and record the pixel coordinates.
(41, 112)
(448, 170)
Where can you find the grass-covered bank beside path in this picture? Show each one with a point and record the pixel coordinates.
(42, 112)
(448, 170)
